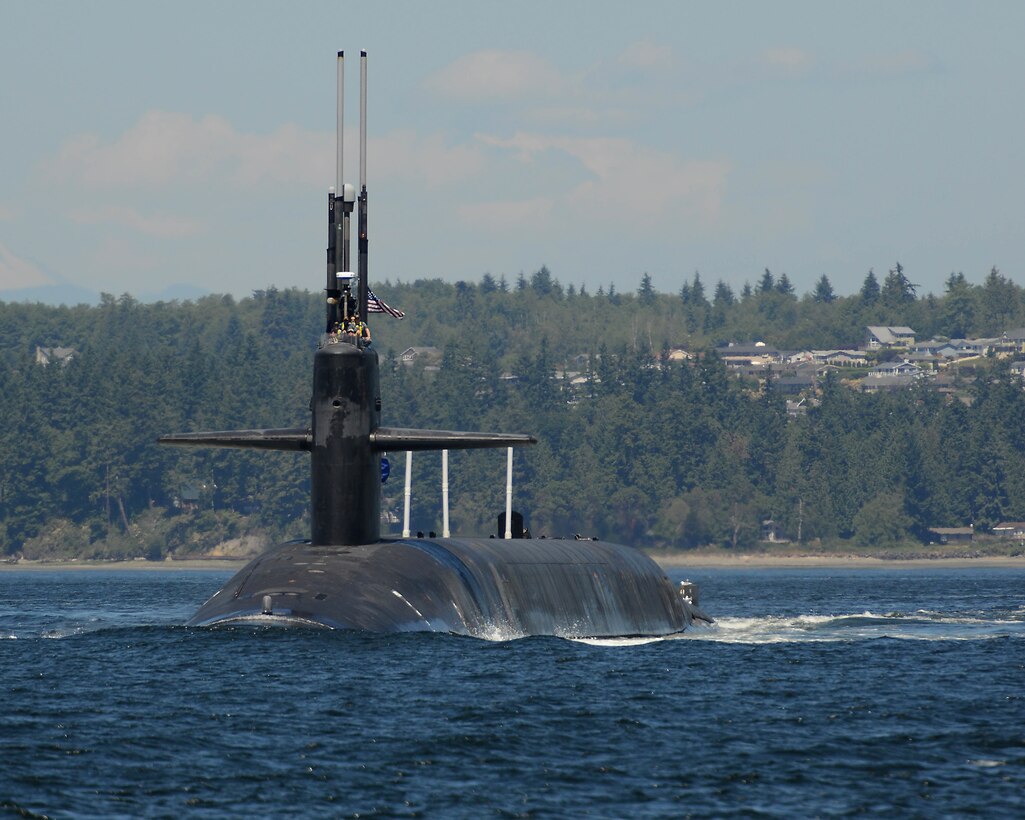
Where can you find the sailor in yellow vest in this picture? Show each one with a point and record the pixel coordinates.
(363, 332)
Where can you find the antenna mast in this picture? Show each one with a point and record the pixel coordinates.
(362, 269)
(340, 201)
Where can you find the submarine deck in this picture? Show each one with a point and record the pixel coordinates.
(479, 587)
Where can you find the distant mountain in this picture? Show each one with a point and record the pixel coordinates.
(70, 294)
(61, 294)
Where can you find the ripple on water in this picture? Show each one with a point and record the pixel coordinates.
(802, 700)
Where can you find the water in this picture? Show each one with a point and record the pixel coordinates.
(819, 693)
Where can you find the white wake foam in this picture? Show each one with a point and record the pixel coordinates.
(920, 625)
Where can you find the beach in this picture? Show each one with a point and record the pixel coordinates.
(704, 559)
(140, 565)
(723, 560)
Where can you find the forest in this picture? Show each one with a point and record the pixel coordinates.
(661, 454)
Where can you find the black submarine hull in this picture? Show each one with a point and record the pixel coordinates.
(486, 588)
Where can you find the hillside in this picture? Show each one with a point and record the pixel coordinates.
(641, 449)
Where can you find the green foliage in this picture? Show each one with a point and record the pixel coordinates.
(642, 450)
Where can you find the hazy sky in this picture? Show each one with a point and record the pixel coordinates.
(146, 144)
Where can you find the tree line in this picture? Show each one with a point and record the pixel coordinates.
(645, 451)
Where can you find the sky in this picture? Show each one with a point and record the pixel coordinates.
(149, 147)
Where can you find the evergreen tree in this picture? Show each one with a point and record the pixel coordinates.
(544, 284)
(959, 307)
(697, 291)
(646, 293)
(870, 289)
(675, 453)
(1001, 303)
(783, 285)
(897, 290)
(823, 291)
(723, 297)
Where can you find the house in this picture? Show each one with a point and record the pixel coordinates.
(973, 347)
(841, 358)
(878, 337)
(929, 361)
(1010, 529)
(61, 355)
(904, 368)
(796, 408)
(420, 355)
(796, 384)
(932, 346)
(952, 535)
(875, 384)
(1013, 341)
(751, 371)
(949, 383)
(757, 354)
(188, 497)
(678, 354)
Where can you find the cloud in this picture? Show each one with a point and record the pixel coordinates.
(576, 116)
(646, 55)
(165, 148)
(18, 273)
(6, 212)
(406, 154)
(788, 58)
(509, 214)
(647, 187)
(495, 74)
(160, 225)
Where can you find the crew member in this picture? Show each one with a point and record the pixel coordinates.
(363, 333)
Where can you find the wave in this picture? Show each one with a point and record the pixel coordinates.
(920, 625)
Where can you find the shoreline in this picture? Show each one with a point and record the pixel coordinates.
(676, 560)
(716, 560)
(141, 565)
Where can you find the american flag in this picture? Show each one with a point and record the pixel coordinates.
(375, 305)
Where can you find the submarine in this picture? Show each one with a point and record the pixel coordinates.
(347, 575)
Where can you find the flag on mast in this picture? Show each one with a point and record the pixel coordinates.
(375, 305)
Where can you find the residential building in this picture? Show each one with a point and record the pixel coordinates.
(878, 337)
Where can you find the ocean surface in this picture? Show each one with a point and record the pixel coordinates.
(855, 692)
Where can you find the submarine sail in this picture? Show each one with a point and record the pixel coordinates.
(348, 576)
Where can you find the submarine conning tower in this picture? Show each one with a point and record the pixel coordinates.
(345, 472)
(344, 438)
